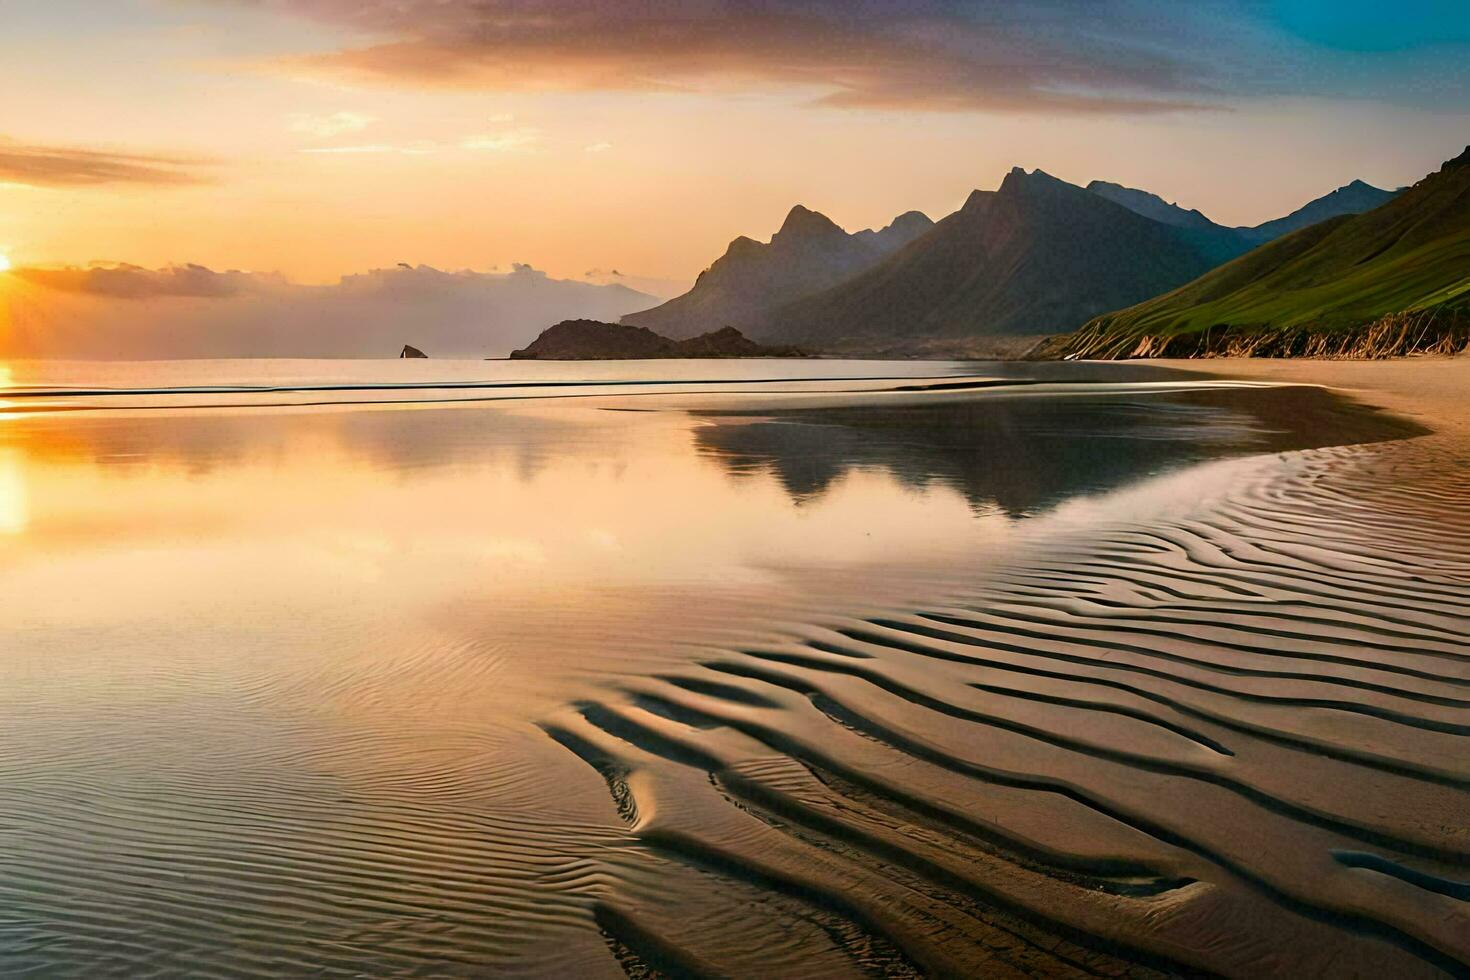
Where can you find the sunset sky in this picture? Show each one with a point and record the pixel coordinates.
(323, 137)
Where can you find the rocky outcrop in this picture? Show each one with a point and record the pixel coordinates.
(410, 351)
(590, 340)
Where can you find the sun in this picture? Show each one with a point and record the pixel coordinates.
(4, 262)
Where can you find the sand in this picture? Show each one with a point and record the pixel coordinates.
(1435, 390)
(1214, 723)
(1151, 678)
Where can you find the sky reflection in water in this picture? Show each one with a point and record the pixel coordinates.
(226, 631)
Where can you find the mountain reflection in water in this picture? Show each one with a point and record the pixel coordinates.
(1023, 454)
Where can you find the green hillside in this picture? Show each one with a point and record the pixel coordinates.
(1406, 263)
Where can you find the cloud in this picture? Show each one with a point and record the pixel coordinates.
(504, 142)
(125, 311)
(1074, 56)
(136, 282)
(325, 127)
(53, 166)
(598, 147)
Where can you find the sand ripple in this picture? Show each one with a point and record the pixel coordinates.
(1223, 742)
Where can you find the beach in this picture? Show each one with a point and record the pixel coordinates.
(817, 668)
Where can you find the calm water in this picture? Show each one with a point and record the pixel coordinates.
(404, 668)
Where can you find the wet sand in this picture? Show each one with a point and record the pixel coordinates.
(1433, 389)
(1225, 734)
(1144, 678)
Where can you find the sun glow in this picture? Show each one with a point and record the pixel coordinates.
(4, 262)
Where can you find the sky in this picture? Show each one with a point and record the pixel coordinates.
(319, 138)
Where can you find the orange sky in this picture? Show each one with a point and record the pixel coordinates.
(317, 138)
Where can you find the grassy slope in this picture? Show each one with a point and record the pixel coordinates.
(1411, 254)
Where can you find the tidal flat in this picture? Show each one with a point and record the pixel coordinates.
(817, 668)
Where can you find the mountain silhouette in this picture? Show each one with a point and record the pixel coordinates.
(1034, 257)
(809, 253)
(1354, 198)
(1150, 205)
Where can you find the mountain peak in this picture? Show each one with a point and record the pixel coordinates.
(1353, 198)
(911, 219)
(1014, 181)
(809, 253)
(1359, 187)
(1150, 205)
(897, 233)
(976, 200)
(744, 245)
(1038, 181)
(1018, 179)
(1463, 160)
(802, 222)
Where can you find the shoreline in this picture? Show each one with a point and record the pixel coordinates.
(1430, 390)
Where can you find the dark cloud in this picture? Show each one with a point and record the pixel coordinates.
(53, 166)
(1049, 55)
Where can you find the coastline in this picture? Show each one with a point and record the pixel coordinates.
(1431, 390)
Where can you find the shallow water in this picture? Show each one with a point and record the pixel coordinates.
(816, 668)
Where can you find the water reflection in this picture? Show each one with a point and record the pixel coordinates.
(154, 515)
(271, 680)
(1024, 454)
(14, 502)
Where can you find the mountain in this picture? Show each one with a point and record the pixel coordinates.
(816, 285)
(591, 340)
(1151, 205)
(1354, 198)
(900, 231)
(1393, 279)
(809, 253)
(1225, 243)
(1028, 259)
(187, 311)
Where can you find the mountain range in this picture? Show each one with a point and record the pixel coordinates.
(1353, 198)
(1401, 269)
(1010, 263)
(1035, 257)
(743, 287)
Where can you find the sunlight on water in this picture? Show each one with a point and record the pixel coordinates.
(14, 499)
(395, 511)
